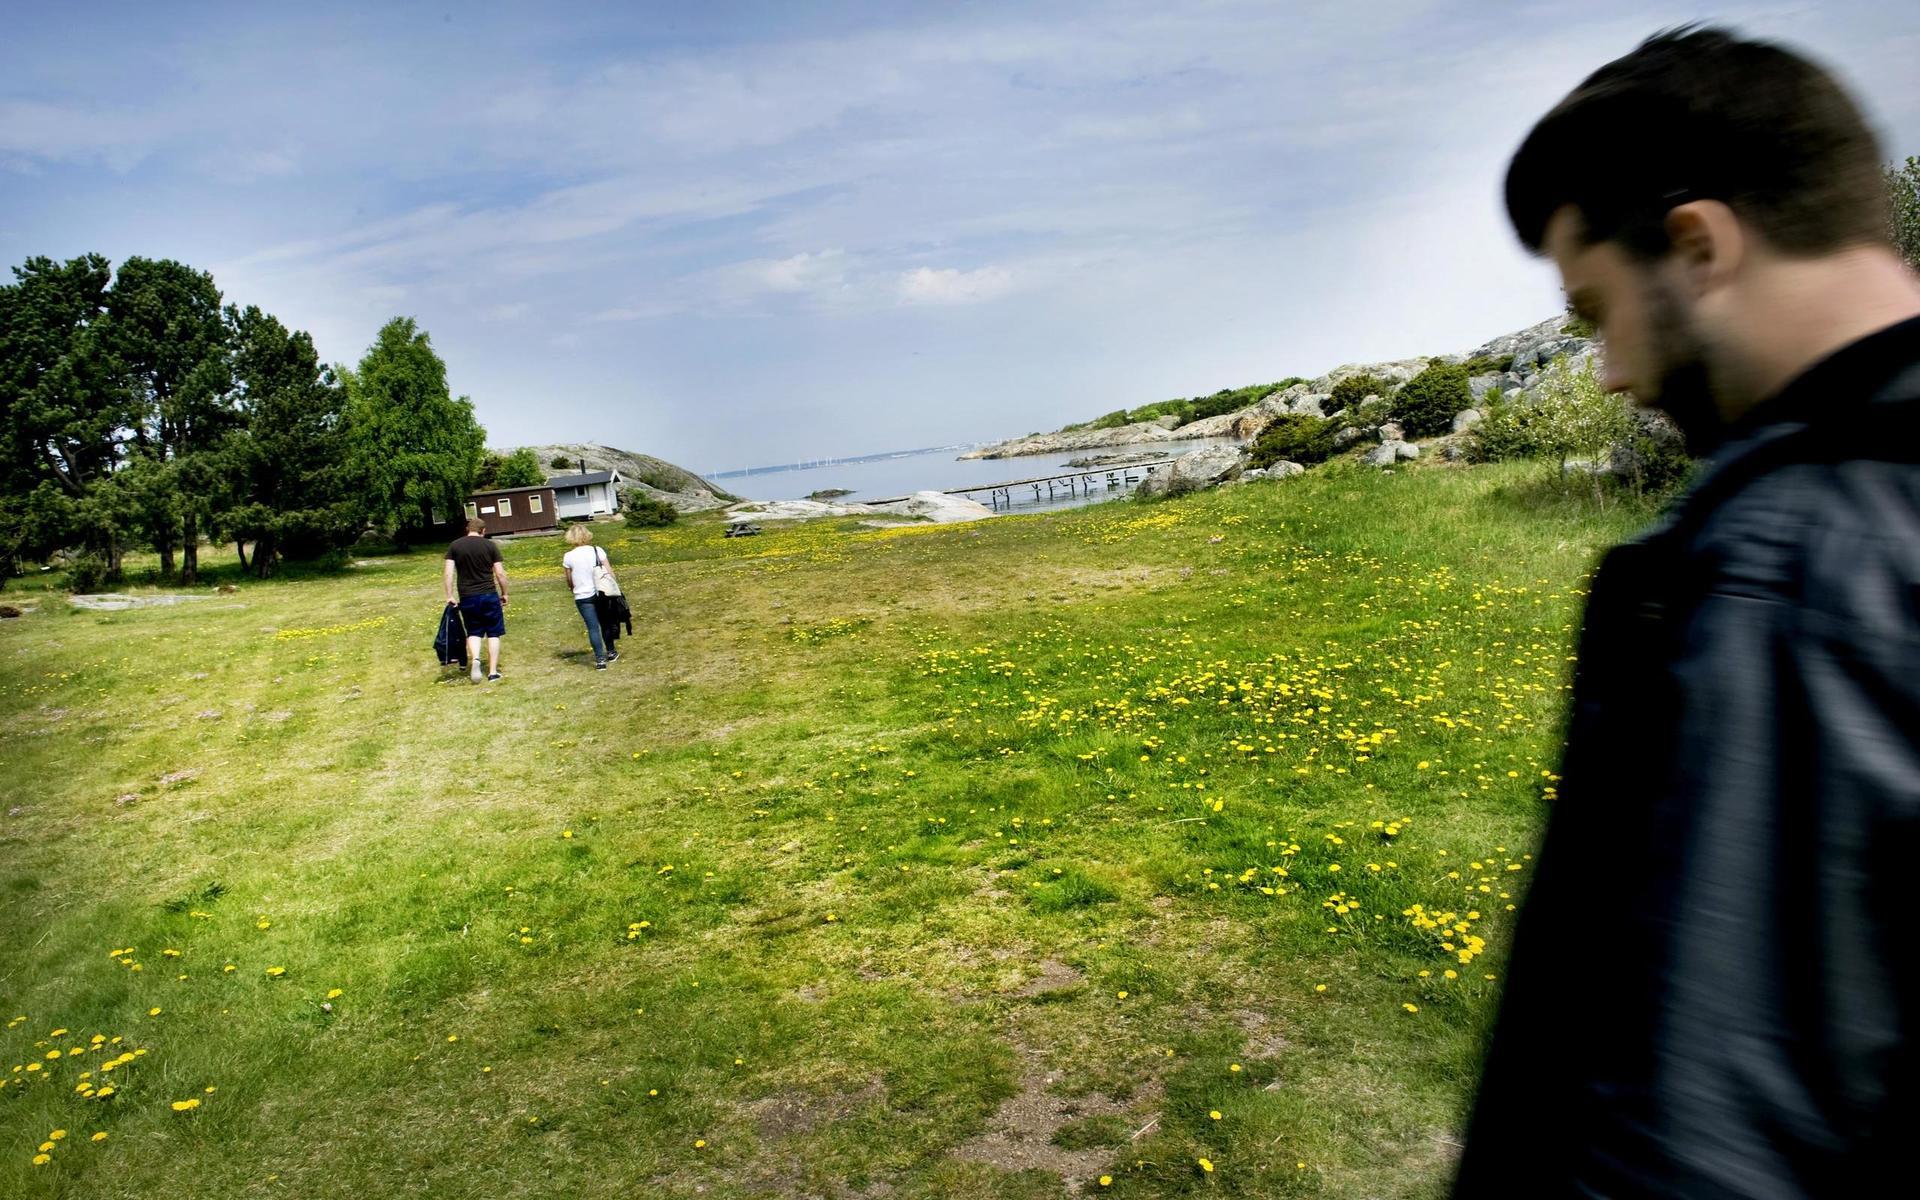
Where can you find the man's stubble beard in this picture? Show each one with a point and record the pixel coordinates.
(1684, 389)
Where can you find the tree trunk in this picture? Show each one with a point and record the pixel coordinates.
(166, 555)
(263, 556)
(240, 548)
(189, 552)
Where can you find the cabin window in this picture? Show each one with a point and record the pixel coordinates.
(473, 510)
(534, 503)
(506, 506)
(437, 518)
(580, 493)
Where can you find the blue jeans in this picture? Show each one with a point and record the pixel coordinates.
(592, 618)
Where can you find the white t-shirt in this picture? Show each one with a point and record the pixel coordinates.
(580, 560)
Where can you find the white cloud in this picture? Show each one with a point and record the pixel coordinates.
(950, 285)
(803, 272)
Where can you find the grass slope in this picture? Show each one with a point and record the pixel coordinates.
(1171, 843)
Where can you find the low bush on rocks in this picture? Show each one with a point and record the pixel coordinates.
(1294, 437)
(1425, 406)
(1349, 392)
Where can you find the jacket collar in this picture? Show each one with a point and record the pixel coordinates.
(1853, 385)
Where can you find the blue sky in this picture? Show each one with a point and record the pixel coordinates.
(734, 234)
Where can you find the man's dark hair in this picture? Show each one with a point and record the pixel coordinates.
(1701, 114)
(476, 525)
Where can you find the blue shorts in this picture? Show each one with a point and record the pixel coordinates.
(483, 615)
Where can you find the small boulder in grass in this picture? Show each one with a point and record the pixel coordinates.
(9, 613)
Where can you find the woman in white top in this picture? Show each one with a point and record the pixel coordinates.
(579, 564)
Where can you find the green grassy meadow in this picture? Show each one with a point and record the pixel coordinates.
(1174, 843)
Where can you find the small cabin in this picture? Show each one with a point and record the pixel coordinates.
(515, 510)
(587, 494)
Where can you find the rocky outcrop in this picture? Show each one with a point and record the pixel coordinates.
(1532, 349)
(1529, 350)
(644, 474)
(1160, 429)
(1388, 453)
(1283, 469)
(1201, 468)
(1398, 371)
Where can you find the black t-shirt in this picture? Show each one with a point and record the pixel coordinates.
(473, 558)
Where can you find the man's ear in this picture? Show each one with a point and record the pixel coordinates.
(1709, 243)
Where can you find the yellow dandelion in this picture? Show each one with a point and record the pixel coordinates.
(276, 972)
(186, 1105)
(101, 1136)
(1206, 1164)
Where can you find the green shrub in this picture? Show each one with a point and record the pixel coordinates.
(644, 512)
(1112, 420)
(1370, 412)
(1293, 437)
(1349, 392)
(1577, 326)
(561, 462)
(1576, 416)
(1483, 365)
(1227, 400)
(519, 469)
(1160, 408)
(89, 572)
(1652, 463)
(1425, 406)
(1505, 433)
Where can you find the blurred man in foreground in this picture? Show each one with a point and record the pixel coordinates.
(1715, 986)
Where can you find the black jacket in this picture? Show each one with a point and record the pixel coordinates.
(450, 641)
(612, 612)
(1714, 990)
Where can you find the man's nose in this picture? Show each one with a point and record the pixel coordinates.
(1613, 377)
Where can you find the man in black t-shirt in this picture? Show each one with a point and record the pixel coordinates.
(476, 581)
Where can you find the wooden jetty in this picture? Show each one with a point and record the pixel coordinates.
(1078, 483)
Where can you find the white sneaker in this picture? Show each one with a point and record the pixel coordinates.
(475, 673)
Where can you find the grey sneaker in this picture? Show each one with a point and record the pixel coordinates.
(600, 665)
(494, 678)
(614, 657)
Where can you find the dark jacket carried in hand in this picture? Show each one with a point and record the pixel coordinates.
(450, 642)
(612, 612)
(1714, 990)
